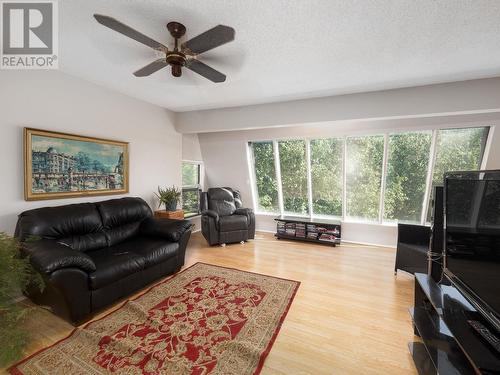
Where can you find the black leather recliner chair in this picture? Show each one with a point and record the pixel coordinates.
(223, 220)
(92, 254)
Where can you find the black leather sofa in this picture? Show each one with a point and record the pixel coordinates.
(413, 246)
(92, 254)
(223, 219)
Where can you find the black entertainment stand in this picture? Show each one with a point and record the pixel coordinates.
(449, 344)
(316, 230)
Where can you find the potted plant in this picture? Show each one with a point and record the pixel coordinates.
(16, 274)
(169, 197)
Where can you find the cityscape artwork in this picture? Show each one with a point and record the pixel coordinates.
(61, 165)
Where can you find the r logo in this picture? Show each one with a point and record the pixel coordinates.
(27, 28)
(29, 34)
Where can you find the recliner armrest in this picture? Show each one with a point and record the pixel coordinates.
(169, 229)
(47, 256)
(243, 211)
(211, 213)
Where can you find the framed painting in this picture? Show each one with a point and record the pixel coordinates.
(59, 165)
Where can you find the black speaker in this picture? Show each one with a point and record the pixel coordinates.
(435, 256)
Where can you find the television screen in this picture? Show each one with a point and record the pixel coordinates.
(472, 238)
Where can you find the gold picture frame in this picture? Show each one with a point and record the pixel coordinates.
(60, 165)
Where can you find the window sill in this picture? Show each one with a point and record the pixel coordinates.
(192, 216)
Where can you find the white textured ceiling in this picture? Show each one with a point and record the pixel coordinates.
(285, 49)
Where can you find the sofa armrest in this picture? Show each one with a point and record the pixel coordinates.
(169, 229)
(47, 256)
(414, 234)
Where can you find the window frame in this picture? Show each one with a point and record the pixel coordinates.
(196, 187)
(386, 133)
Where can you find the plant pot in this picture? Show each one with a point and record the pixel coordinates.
(171, 206)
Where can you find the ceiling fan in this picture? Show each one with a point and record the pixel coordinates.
(185, 56)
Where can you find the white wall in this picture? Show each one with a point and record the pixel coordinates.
(191, 147)
(52, 100)
(226, 163)
(466, 97)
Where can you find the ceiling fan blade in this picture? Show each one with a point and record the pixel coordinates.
(210, 39)
(205, 71)
(116, 25)
(151, 68)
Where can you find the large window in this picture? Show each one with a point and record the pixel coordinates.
(364, 176)
(327, 176)
(293, 168)
(265, 176)
(379, 178)
(191, 187)
(407, 165)
(457, 150)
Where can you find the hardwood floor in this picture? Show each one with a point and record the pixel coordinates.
(350, 315)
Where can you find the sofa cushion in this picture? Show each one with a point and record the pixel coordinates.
(153, 250)
(85, 242)
(113, 263)
(233, 222)
(78, 225)
(121, 218)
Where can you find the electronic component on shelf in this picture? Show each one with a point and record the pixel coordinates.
(304, 229)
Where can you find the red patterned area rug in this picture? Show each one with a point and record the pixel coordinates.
(204, 320)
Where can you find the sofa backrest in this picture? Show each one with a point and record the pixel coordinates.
(76, 225)
(85, 226)
(222, 200)
(121, 218)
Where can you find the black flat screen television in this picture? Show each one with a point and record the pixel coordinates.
(472, 238)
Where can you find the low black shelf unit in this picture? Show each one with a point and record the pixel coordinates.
(448, 344)
(315, 230)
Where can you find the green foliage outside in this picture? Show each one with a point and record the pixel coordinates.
(15, 275)
(326, 176)
(408, 160)
(363, 176)
(265, 176)
(457, 150)
(190, 189)
(190, 174)
(191, 202)
(294, 176)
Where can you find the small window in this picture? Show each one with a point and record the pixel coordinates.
(293, 167)
(265, 176)
(191, 187)
(364, 176)
(457, 150)
(407, 165)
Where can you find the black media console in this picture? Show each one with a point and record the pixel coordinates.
(449, 343)
(305, 229)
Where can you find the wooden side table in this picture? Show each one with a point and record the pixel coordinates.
(176, 215)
